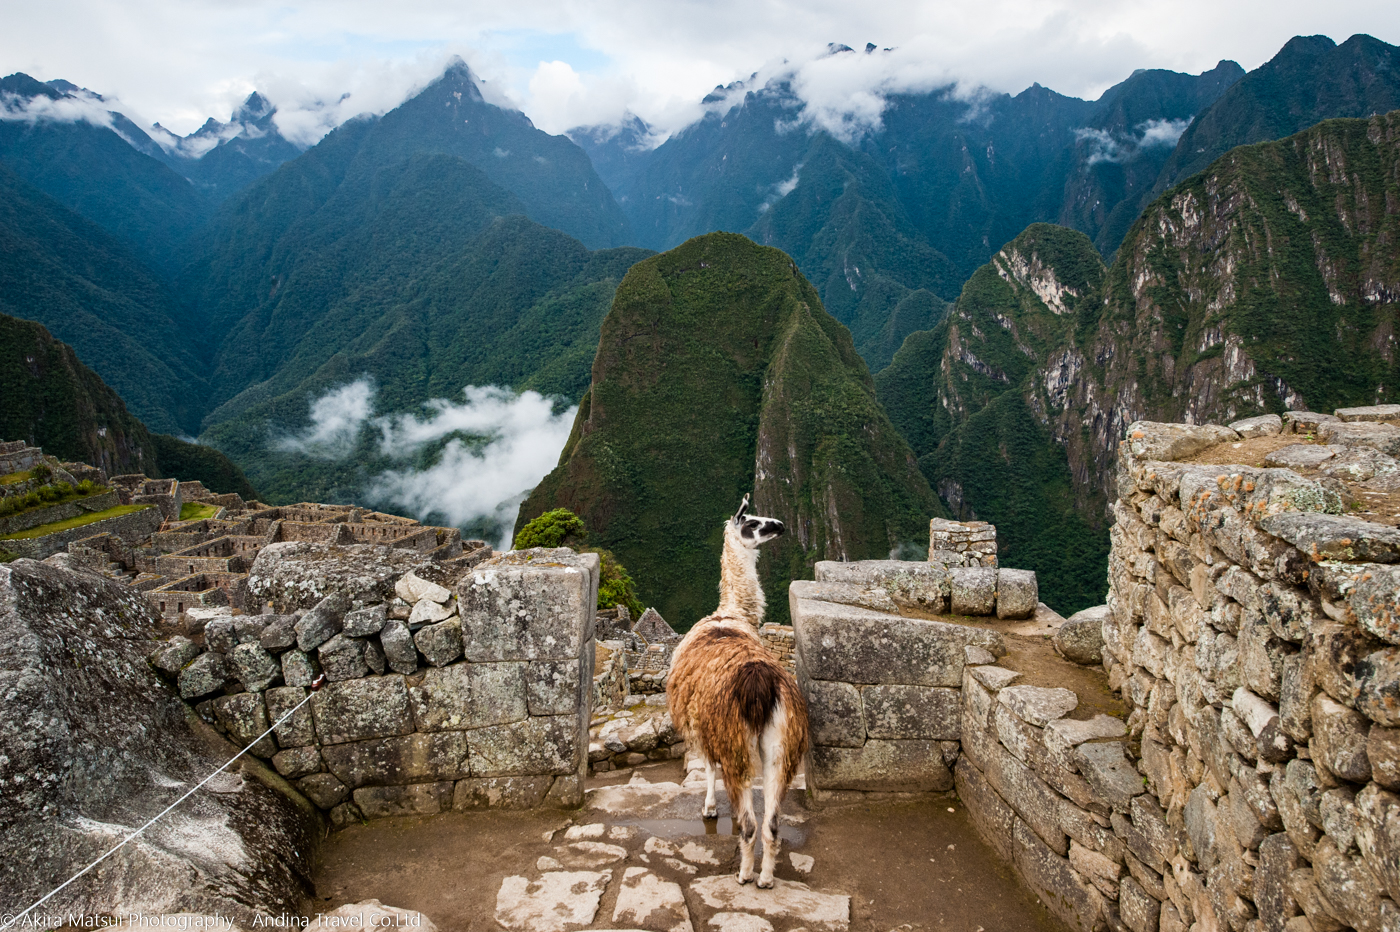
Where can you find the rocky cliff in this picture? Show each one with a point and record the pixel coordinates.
(719, 373)
(1266, 282)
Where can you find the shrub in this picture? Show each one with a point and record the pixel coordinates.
(86, 487)
(562, 528)
(40, 472)
(615, 586)
(557, 528)
(50, 493)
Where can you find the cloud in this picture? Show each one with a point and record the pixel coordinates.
(499, 445)
(324, 61)
(1104, 146)
(1162, 132)
(75, 107)
(470, 483)
(336, 420)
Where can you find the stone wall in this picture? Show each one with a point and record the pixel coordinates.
(1254, 635)
(447, 687)
(47, 514)
(882, 689)
(779, 639)
(962, 543)
(132, 526)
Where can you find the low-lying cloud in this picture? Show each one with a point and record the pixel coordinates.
(499, 445)
(1104, 146)
(336, 420)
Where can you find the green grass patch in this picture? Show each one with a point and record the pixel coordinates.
(194, 511)
(14, 478)
(89, 518)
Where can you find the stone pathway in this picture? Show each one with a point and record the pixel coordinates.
(637, 858)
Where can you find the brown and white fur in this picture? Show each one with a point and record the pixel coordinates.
(735, 705)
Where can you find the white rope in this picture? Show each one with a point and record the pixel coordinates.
(55, 890)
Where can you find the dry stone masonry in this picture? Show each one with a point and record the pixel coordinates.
(1252, 626)
(962, 543)
(454, 685)
(881, 647)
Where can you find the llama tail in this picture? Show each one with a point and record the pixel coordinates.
(755, 691)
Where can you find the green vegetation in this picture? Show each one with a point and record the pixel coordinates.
(557, 528)
(615, 586)
(90, 291)
(50, 399)
(90, 517)
(45, 495)
(1257, 285)
(715, 357)
(1311, 79)
(563, 528)
(196, 511)
(969, 416)
(96, 172)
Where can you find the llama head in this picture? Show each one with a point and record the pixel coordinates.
(752, 531)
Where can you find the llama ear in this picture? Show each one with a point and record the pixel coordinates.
(743, 507)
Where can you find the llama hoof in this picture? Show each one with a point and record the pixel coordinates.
(745, 879)
(711, 812)
(765, 882)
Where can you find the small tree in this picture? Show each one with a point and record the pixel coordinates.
(562, 528)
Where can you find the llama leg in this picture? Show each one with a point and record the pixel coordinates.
(742, 803)
(774, 789)
(711, 810)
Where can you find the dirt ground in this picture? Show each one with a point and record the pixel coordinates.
(919, 863)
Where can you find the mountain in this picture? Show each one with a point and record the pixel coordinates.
(971, 397)
(103, 170)
(848, 232)
(222, 159)
(1267, 282)
(550, 175)
(48, 398)
(719, 373)
(1311, 79)
(91, 290)
(506, 302)
(1119, 152)
(913, 205)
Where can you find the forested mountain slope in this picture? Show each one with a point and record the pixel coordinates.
(1269, 281)
(110, 178)
(48, 398)
(91, 291)
(719, 373)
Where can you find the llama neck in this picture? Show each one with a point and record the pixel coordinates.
(739, 590)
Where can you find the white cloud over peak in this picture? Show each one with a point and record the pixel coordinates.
(323, 61)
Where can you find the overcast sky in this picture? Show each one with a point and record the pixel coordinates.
(572, 62)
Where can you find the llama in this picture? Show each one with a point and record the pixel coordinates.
(736, 705)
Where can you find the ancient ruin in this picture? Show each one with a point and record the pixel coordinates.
(1214, 748)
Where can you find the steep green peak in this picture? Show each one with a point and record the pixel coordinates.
(719, 373)
(1059, 266)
